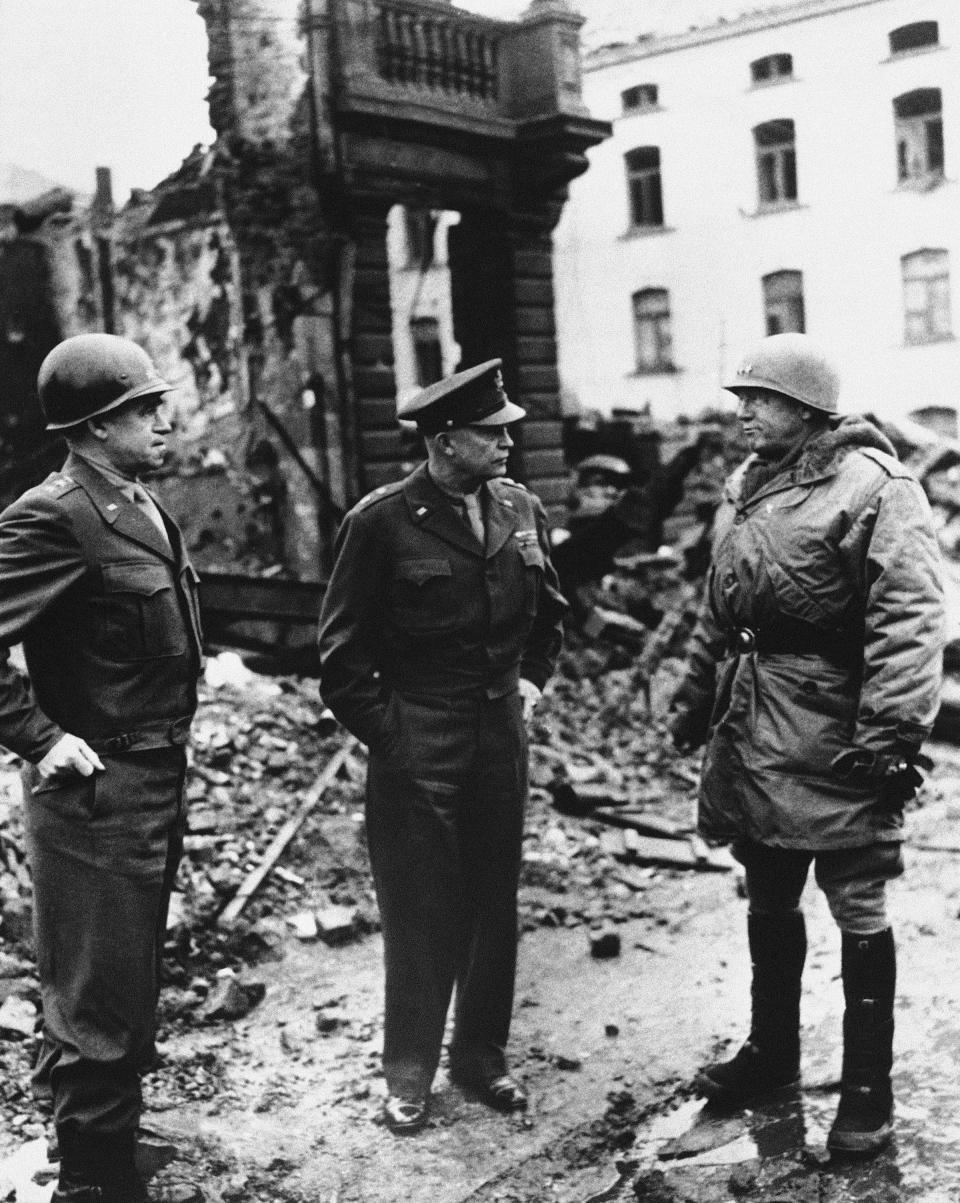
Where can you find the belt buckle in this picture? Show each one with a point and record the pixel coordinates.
(744, 641)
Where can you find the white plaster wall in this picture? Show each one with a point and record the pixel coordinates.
(847, 234)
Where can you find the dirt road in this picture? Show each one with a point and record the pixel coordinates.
(283, 1105)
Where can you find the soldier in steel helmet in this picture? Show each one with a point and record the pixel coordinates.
(95, 582)
(440, 625)
(813, 681)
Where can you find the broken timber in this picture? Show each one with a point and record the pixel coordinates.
(682, 853)
(286, 833)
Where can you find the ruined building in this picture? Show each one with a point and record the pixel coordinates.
(257, 273)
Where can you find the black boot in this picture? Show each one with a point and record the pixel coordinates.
(98, 1168)
(770, 1058)
(864, 1120)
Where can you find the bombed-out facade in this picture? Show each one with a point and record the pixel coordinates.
(257, 274)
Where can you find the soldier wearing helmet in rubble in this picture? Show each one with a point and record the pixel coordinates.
(813, 681)
(96, 584)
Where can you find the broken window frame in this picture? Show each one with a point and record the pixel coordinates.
(652, 333)
(640, 98)
(771, 69)
(776, 156)
(926, 296)
(783, 306)
(918, 133)
(644, 187)
(917, 35)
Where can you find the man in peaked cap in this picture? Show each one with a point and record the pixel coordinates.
(95, 581)
(440, 626)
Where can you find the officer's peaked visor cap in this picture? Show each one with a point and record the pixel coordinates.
(91, 374)
(473, 397)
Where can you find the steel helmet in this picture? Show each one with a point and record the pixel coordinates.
(791, 364)
(89, 374)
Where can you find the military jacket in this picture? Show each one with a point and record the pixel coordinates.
(416, 604)
(107, 613)
(842, 547)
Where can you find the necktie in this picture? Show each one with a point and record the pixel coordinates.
(471, 503)
(144, 502)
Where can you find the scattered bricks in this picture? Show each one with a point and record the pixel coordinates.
(743, 1179)
(18, 1017)
(336, 924)
(176, 913)
(204, 821)
(227, 1000)
(604, 942)
(615, 627)
(254, 989)
(183, 1192)
(304, 925)
(327, 1024)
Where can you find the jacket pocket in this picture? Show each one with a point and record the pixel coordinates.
(424, 595)
(534, 567)
(140, 616)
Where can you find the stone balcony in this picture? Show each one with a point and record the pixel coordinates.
(428, 63)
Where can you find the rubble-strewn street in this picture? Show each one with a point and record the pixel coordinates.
(633, 971)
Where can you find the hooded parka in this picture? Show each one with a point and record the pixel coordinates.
(821, 631)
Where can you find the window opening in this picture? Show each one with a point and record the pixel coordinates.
(918, 123)
(640, 97)
(776, 161)
(783, 302)
(653, 342)
(644, 183)
(772, 67)
(926, 296)
(914, 36)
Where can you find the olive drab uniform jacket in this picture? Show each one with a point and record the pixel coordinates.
(415, 604)
(107, 612)
(822, 631)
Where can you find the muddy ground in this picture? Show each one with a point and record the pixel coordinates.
(283, 1104)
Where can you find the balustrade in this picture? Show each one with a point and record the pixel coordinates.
(422, 48)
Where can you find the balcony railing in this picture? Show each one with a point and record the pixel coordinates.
(424, 48)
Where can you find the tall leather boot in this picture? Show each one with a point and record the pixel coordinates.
(770, 1058)
(98, 1169)
(864, 1119)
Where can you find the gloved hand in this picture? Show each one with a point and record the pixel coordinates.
(895, 775)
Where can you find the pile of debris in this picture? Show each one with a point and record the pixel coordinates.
(276, 852)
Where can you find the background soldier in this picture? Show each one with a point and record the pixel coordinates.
(440, 625)
(95, 581)
(824, 608)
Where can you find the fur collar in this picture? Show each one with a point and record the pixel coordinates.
(825, 451)
(819, 456)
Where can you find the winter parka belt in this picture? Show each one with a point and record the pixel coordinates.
(793, 637)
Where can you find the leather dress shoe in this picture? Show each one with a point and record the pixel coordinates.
(503, 1093)
(404, 1116)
